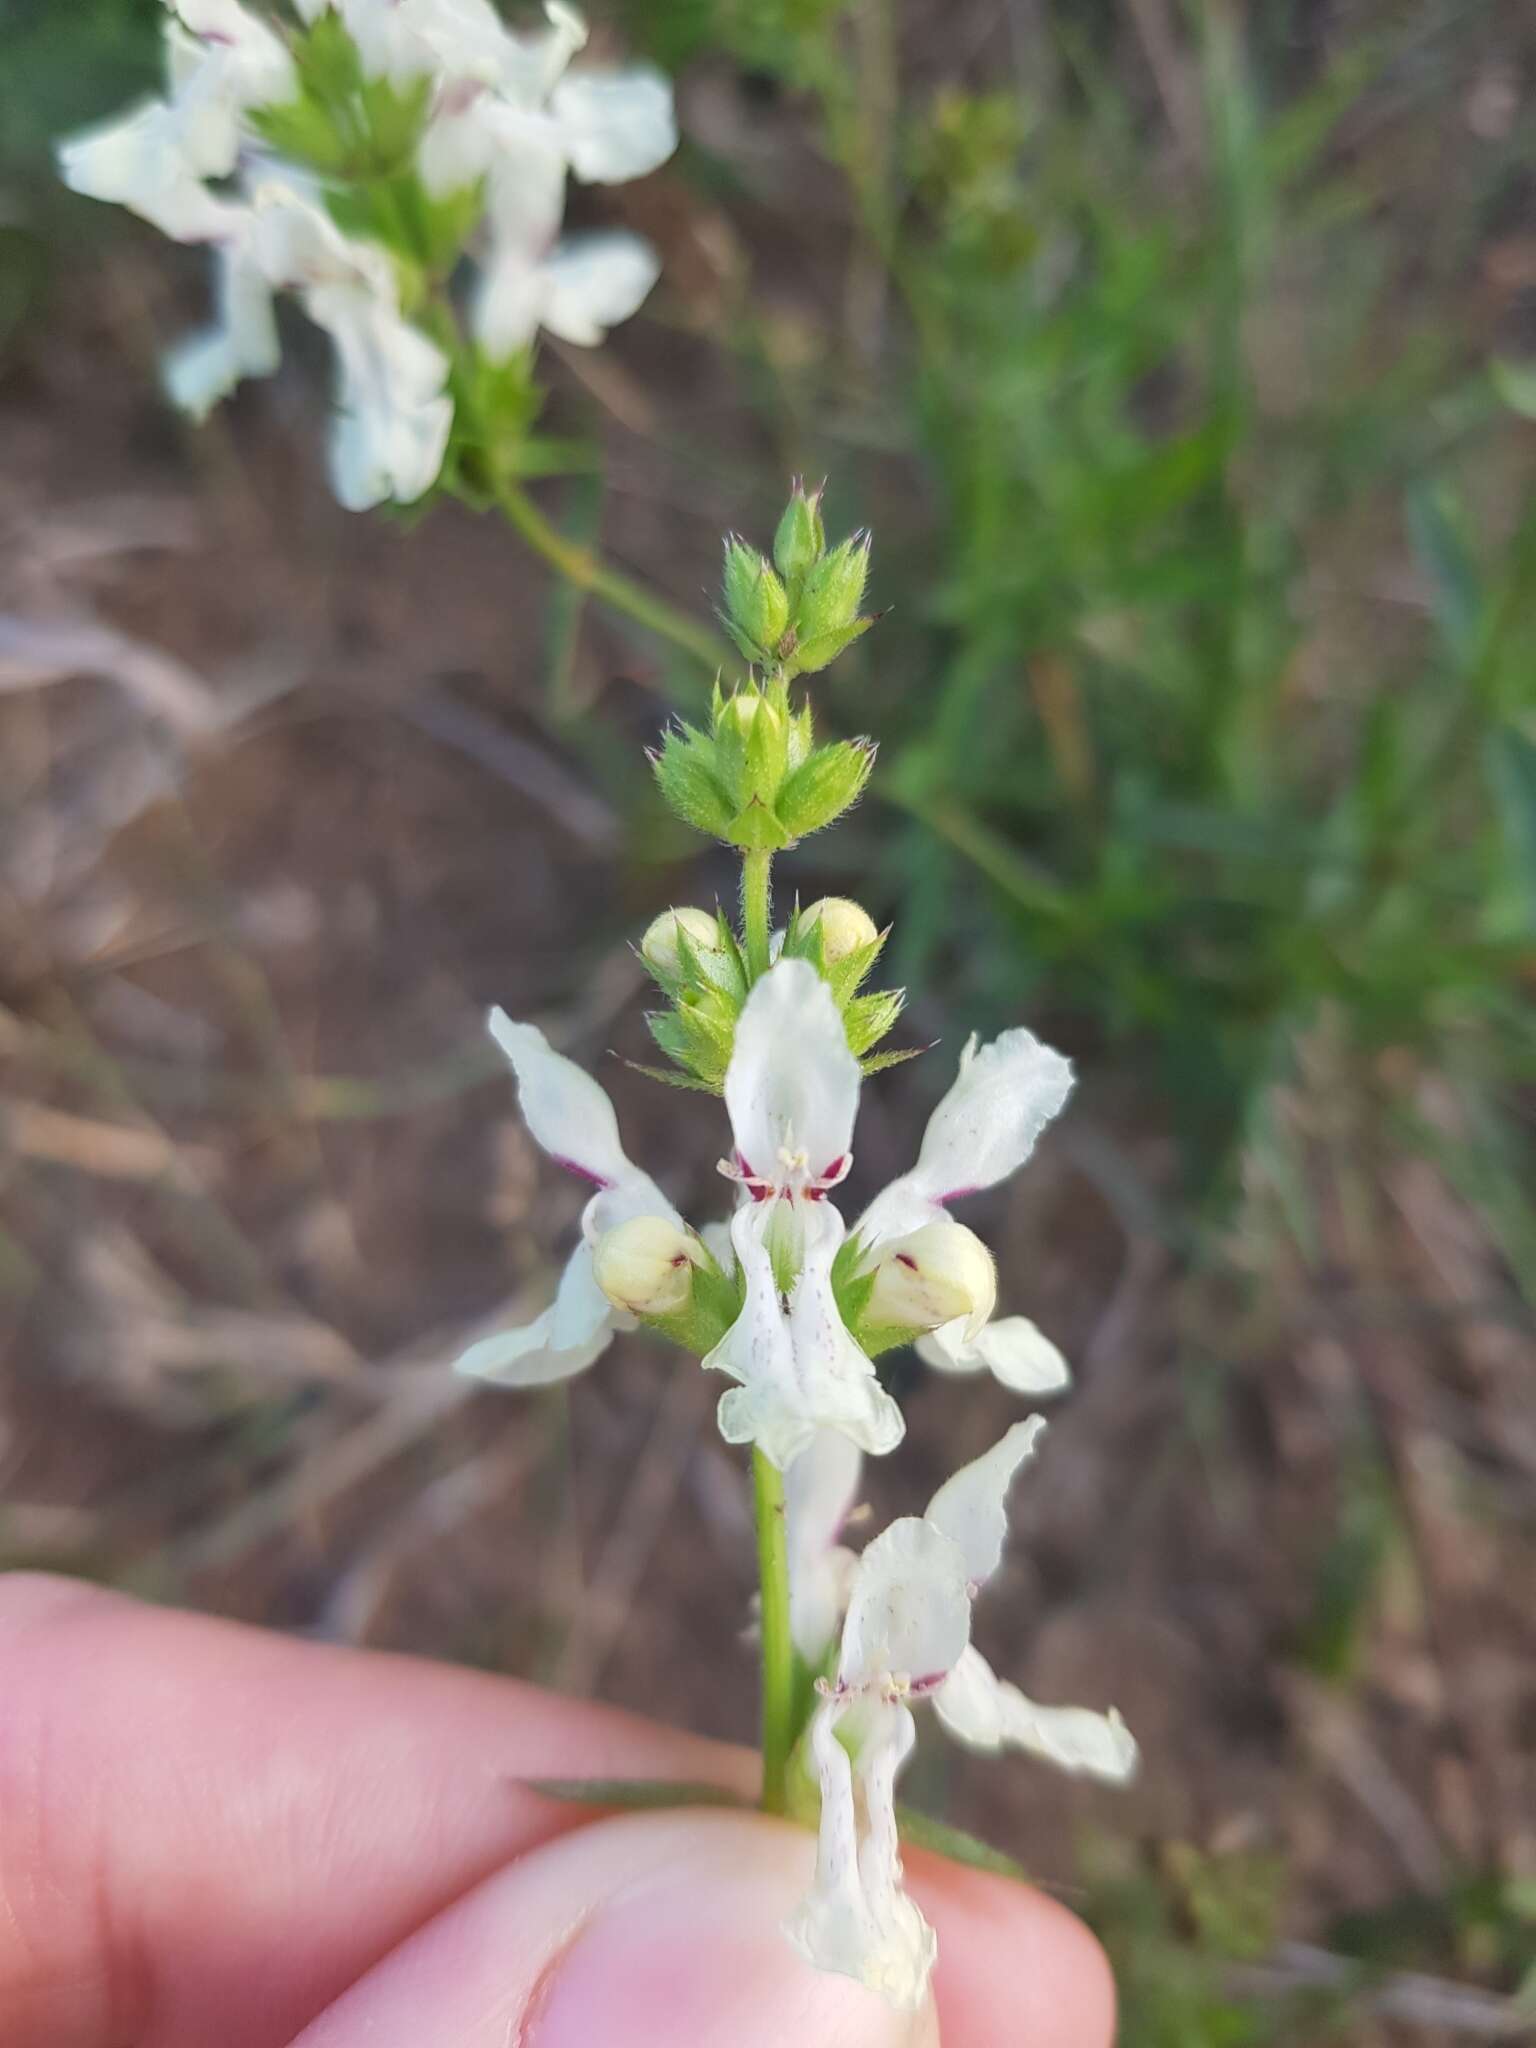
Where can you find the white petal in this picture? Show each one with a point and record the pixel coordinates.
(574, 1330)
(856, 1919)
(842, 1389)
(393, 415)
(819, 1489)
(533, 63)
(508, 304)
(1022, 1357)
(756, 1350)
(909, 1616)
(139, 160)
(458, 147)
(525, 173)
(564, 1108)
(617, 125)
(969, 1703)
(972, 1507)
(792, 1086)
(799, 1369)
(594, 282)
(989, 1713)
(207, 366)
(254, 66)
(984, 1129)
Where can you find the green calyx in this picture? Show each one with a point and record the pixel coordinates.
(756, 778)
(703, 973)
(341, 123)
(796, 614)
(713, 1305)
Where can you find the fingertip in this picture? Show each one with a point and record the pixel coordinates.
(30, 1600)
(1013, 1963)
(648, 1930)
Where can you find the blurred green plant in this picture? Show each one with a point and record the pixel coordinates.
(1227, 753)
(65, 65)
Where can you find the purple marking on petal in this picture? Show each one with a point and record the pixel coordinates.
(581, 1172)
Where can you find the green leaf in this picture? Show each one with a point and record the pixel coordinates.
(1437, 526)
(635, 1795)
(1512, 771)
(923, 1832)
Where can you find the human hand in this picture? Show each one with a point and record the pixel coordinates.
(211, 1834)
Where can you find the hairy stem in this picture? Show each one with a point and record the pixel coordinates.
(756, 910)
(778, 1643)
(587, 571)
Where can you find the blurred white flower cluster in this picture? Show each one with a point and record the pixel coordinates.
(353, 159)
(793, 1307)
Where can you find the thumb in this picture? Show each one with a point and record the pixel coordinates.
(640, 1932)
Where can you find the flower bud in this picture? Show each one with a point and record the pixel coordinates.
(739, 716)
(659, 947)
(936, 1275)
(800, 540)
(834, 589)
(756, 603)
(647, 1264)
(845, 926)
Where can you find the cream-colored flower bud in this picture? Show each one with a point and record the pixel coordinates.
(942, 1273)
(845, 926)
(659, 946)
(743, 711)
(646, 1265)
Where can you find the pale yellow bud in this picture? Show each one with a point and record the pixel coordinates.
(845, 926)
(647, 1265)
(743, 711)
(936, 1275)
(659, 946)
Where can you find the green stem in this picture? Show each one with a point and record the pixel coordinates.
(778, 1643)
(756, 910)
(579, 566)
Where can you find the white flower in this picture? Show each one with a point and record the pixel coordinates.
(573, 1120)
(792, 1090)
(393, 414)
(156, 158)
(981, 1132)
(906, 1637)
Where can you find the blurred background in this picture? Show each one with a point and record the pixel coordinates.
(1182, 358)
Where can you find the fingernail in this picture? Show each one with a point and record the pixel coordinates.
(642, 1932)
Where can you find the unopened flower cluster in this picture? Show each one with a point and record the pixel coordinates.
(353, 157)
(792, 1304)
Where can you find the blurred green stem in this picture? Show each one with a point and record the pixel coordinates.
(756, 910)
(588, 572)
(778, 1643)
